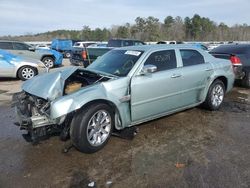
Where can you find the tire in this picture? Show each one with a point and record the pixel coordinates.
(87, 134)
(215, 95)
(246, 80)
(67, 54)
(26, 72)
(48, 62)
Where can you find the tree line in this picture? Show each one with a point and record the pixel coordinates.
(194, 28)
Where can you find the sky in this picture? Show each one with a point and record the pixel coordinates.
(20, 17)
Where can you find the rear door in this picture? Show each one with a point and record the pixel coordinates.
(6, 68)
(195, 73)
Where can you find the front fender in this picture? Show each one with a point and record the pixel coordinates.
(70, 103)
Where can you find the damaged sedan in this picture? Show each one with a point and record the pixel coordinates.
(122, 88)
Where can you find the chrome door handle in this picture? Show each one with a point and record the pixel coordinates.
(208, 69)
(176, 76)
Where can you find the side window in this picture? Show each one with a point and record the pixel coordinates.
(20, 46)
(137, 43)
(6, 45)
(191, 57)
(163, 60)
(127, 43)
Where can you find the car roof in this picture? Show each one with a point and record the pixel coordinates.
(159, 47)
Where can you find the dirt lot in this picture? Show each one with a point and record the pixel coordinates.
(194, 148)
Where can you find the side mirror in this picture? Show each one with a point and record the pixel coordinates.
(32, 49)
(148, 69)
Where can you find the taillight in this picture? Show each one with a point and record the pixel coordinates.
(84, 55)
(235, 60)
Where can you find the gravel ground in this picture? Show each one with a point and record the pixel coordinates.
(194, 148)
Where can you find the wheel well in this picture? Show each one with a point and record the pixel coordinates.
(25, 66)
(224, 80)
(110, 104)
(48, 56)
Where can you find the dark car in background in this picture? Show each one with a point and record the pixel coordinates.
(239, 54)
(85, 56)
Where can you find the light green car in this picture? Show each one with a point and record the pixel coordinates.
(123, 88)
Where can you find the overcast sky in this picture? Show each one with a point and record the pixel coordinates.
(33, 16)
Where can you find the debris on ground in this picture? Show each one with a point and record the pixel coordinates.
(179, 165)
(91, 184)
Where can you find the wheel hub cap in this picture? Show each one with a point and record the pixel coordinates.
(217, 95)
(28, 73)
(99, 127)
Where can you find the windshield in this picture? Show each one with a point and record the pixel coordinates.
(116, 62)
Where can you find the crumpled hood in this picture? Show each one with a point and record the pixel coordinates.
(49, 86)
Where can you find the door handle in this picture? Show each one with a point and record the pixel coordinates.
(208, 69)
(176, 76)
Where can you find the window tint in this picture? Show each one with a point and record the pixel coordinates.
(137, 43)
(128, 43)
(6, 45)
(191, 57)
(20, 46)
(163, 60)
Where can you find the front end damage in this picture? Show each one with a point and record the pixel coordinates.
(34, 112)
(32, 115)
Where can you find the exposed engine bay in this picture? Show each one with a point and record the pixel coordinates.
(80, 79)
(33, 113)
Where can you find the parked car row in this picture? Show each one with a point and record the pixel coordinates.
(124, 87)
(49, 57)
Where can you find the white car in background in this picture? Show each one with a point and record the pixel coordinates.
(42, 46)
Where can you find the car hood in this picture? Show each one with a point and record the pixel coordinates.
(51, 85)
(48, 86)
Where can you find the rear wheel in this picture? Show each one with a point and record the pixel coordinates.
(246, 80)
(67, 54)
(48, 62)
(215, 95)
(26, 72)
(91, 128)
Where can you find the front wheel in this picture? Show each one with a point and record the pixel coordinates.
(91, 128)
(215, 95)
(48, 62)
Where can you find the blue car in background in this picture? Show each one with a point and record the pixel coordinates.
(48, 61)
(12, 66)
(63, 46)
(50, 58)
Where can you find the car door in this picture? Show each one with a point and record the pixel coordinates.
(7, 69)
(159, 92)
(22, 49)
(195, 73)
